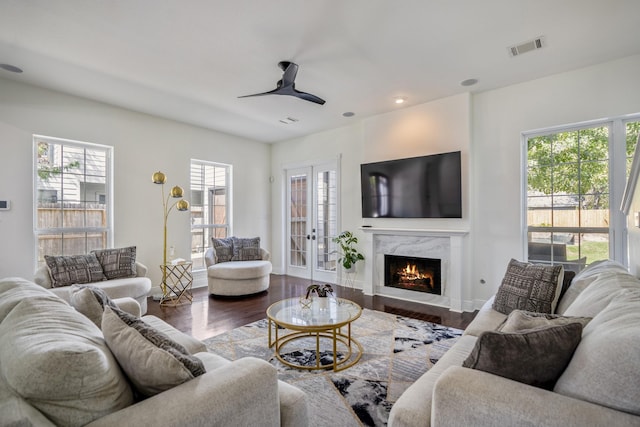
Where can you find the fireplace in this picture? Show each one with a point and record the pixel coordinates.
(413, 273)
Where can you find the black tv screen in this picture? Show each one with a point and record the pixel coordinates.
(417, 187)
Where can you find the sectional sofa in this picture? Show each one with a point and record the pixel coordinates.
(598, 386)
(57, 367)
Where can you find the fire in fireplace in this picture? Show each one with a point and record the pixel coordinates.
(413, 273)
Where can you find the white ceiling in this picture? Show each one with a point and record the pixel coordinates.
(190, 60)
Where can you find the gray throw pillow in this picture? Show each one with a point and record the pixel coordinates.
(535, 357)
(531, 287)
(152, 361)
(246, 249)
(519, 320)
(223, 249)
(117, 263)
(68, 270)
(90, 301)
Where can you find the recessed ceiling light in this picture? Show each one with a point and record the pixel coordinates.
(468, 82)
(400, 100)
(288, 120)
(348, 114)
(11, 68)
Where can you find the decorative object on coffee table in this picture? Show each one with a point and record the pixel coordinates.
(322, 291)
(169, 296)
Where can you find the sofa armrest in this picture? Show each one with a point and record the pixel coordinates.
(244, 392)
(265, 255)
(130, 305)
(465, 396)
(210, 257)
(42, 277)
(141, 269)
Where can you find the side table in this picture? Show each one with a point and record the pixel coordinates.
(176, 284)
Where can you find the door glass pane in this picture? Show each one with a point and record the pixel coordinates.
(326, 225)
(298, 231)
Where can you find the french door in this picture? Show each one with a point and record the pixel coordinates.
(312, 222)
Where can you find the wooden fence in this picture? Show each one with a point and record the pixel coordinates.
(568, 218)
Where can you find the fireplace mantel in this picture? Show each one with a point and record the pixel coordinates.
(447, 245)
(414, 231)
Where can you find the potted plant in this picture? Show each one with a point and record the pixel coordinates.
(350, 255)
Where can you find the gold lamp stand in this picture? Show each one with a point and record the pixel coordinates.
(176, 279)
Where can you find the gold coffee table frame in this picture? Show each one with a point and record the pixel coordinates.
(319, 322)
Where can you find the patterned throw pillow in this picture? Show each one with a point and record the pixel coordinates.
(223, 249)
(531, 287)
(117, 263)
(537, 357)
(67, 270)
(152, 361)
(246, 249)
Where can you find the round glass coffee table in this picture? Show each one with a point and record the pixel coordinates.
(320, 320)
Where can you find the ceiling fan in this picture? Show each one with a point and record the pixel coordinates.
(286, 85)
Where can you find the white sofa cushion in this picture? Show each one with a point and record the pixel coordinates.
(584, 278)
(600, 292)
(240, 270)
(56, 359)
(604, 369)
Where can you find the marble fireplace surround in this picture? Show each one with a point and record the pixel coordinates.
(446, 245)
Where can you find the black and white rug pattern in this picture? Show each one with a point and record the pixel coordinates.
(397, 351)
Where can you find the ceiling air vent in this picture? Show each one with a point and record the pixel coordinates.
(527, 46)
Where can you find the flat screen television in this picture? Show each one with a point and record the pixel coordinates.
(417, 187)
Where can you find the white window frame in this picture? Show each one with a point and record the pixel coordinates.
(229, 201)
(108, 229)
(617, 179)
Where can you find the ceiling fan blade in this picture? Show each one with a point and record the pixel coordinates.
(290, 72)
(309, 97)
(271, 92)
(286, 85)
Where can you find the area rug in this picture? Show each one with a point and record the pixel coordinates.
(397, 351)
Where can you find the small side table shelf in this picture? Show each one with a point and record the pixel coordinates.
(176, 284)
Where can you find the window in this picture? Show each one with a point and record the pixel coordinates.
(72, 182)
(575, 178)
(210, 206)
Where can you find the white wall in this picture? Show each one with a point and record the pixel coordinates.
(499, 117)
(142, 145)
(435, 127)
(487, 127)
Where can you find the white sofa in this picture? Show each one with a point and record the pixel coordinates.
(137, 287)
(56, 369)
(600, 385)
(236, 278)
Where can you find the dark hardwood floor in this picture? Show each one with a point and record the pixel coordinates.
(208, 316)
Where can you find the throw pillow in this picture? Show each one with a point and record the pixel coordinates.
(531, 287)
(67, 270)
(223, 249)
(152, 361)
(117, 263)
(536, 357)
(246, 249)
(90, 301)
(519, 320)
(566, 282)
